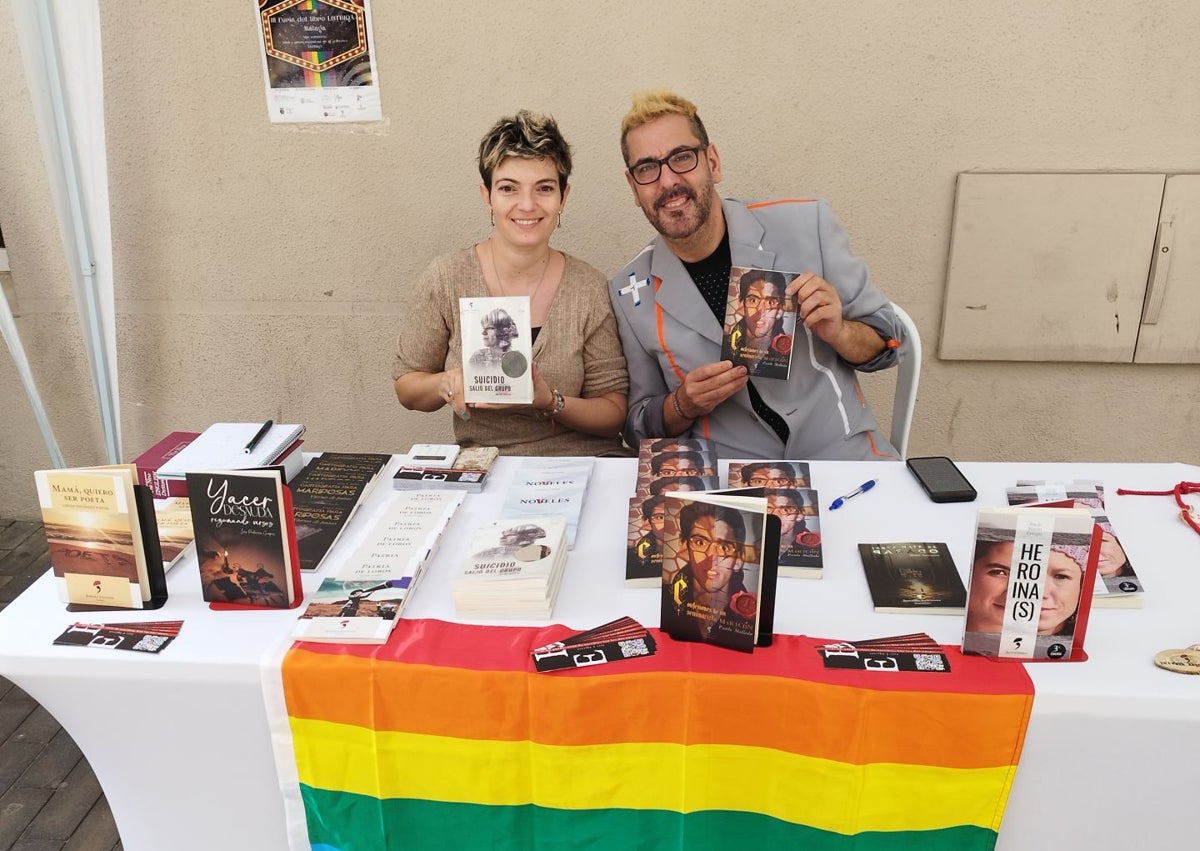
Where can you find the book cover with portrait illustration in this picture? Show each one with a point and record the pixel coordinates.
(1117, 584)
(497, 350)
(245, 538)
(800, 554)
(719, 560)
(760, 322)
(1027, 595)
(513, 569)
(913, 576)
(102, 538)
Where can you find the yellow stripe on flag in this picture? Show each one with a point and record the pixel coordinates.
(824, 794)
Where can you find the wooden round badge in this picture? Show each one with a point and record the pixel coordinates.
(1185, 661)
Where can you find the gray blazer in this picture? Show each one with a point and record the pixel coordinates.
(667, 330)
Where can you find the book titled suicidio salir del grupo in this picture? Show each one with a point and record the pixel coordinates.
(1030, 576)
(760, 322)
(913, 577)
(102, 537)
(245, 537)
(719, 565)
(497, 352)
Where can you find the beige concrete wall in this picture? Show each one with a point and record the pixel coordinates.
(261, 270)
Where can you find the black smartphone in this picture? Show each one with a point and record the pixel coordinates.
(943, 481)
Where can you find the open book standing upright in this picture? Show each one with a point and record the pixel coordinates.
(719, 565)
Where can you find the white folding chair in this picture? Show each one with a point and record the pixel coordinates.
(908, 375)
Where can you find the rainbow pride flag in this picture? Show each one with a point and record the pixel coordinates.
(446, 738)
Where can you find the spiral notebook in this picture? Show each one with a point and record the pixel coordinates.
(222, 446)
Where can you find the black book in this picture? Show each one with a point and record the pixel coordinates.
(913, 577)
(325, 496)
(245, 539)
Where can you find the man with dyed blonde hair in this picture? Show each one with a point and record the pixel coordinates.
(670, 306)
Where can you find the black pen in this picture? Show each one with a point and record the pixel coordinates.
(258, 435)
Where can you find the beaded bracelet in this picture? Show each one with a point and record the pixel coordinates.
(678, 408)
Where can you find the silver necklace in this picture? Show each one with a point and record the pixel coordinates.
(500, 283)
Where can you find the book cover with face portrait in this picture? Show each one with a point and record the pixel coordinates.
(1032, 571)
(760, 322)
(497, 349)
(1117, 584)
(719, 561)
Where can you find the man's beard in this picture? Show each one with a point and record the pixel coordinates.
(674, 227)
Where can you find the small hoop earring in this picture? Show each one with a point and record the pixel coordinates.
(559, 220)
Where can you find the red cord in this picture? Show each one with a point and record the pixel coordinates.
(1187, 514)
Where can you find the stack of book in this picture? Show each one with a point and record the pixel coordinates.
(326, 495)
(374, 585)
(469, 472)
(666, 465)
(1117, 586)
(549, 486)
(221, 446)
(513, 569)
(786, 485)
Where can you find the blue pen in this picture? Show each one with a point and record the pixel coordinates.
(863, 488)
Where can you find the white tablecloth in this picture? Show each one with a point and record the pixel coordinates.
(181, 746)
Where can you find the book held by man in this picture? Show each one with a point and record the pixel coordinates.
(497, 349)
(760, 322)
(102, 538)
(1031, 574)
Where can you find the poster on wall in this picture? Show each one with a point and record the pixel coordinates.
(317, 60)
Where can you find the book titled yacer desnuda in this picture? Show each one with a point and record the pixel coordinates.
(913, 576)
(1031, 573)
(760, 322)
(245, 538)
(102, 538)
(497, 349)
(719, 563)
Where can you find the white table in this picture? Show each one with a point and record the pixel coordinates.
(180, 741)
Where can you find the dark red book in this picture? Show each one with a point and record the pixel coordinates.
(149, 461)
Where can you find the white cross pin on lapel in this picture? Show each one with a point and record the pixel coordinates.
(632, 289)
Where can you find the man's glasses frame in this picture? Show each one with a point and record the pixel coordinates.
(680, 161)
(723, 549)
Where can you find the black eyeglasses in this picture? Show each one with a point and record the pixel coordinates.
(681, 162)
